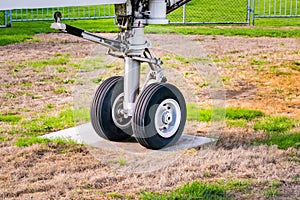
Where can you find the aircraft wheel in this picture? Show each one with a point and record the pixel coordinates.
(106, 111)
(159, 117)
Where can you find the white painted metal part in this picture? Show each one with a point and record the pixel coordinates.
(19, 4)
(158, 12)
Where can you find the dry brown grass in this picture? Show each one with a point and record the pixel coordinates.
(260, 79)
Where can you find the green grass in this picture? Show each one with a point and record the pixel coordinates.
(271, 193)
(60, 90)
(242, 113)
(98, 80)
(25, 142)
(122, 162)
(273, 190)
(21, 31)
(279, 132)
(210, 11)
(188, 60)
(67, 81)
(238, 185)
(278, 129)
(3, 139)
(81, 115)
(295, 66)
(45, 123)
(30, 130)
(114, 195)
(205, 115)
(10, 118)
(28, 84)
(195, 113)
(277, 124)
(92, 63)
(284, 141)
(226, 31)
(236, 123)
(258, 62)
(278, 22)
(199, 190)
(51, 62)
(195, 190)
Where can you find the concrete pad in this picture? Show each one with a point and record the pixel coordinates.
(129, 156)
(85, 134)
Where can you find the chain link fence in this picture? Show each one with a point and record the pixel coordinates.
(213, 11)
(2, 19)
(80, 12)
(195, 12)
(5, 20)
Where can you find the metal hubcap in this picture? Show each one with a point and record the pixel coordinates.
(167, 118)
(118, 114)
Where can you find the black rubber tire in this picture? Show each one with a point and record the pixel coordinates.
(143, 120)
(101, 110)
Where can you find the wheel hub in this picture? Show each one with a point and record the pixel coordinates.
(167, 118)
(118, 115)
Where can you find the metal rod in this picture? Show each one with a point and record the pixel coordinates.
(291, 8)
(296, 11)
(5, 18)
(258, 6)
(249, 11)
(184, 13)
(131, 84)
(270, 2)
(253, 13)
(285, 7)
(280, 7)
(275, 13)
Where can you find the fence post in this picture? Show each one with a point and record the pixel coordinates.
(7, 18)
(10, 17)
(249, 12)
(184, 14)
(253, 12)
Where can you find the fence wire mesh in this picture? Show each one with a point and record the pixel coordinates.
(196, 11)
(82, 12)
(216, 11)
(3, 21)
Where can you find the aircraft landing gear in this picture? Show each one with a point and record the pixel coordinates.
(154, 113)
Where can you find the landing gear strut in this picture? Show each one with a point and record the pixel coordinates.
(154, 113)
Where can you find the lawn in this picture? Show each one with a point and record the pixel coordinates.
(283, 27)
(36, 98)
